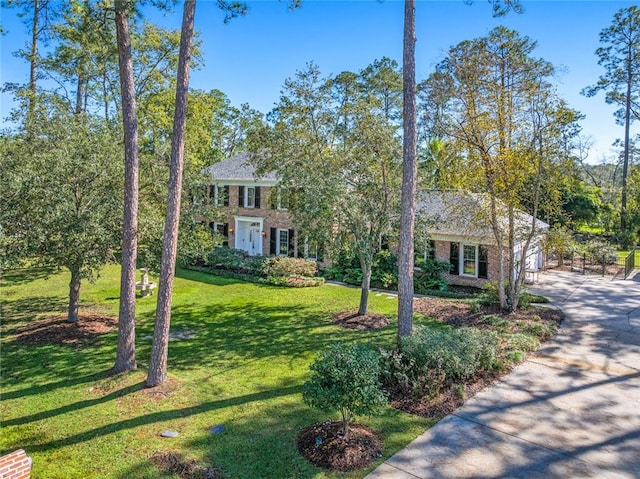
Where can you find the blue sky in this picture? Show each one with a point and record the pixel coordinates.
(249, 58)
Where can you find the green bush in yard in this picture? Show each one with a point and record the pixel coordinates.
(284, 266)
(541, 330)
(226, 258)
(430, 277)
(346, 378)
(521, 342)
(399, 371)
(460, 353)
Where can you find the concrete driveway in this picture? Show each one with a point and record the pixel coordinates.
(570, 411)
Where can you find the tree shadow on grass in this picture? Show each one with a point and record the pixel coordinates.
(18, 276)
(16, 312)
(73, 406)
(51, 386)
(159, 416)
(256, 331)
(254, 444)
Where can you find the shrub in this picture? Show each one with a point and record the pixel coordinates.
(253, 264)
(235, 260)
(226, 258)
(345, 378)
(400, 371)
(461, 353)
(284, 266)
(541, 330)
(600, 252)
(352, 276)
(294, 281)
(430, 276)
(490, 294)
(521, 342)
(384, 272)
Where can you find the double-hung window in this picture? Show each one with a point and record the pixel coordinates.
(251, 197)
(283, 242)
(219, 195)
(469, 260)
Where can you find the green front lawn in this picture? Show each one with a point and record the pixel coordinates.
(244, 369)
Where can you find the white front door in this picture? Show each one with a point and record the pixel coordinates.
(249, 235)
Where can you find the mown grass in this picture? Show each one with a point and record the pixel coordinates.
(244, 370)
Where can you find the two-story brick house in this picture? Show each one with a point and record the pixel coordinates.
(257, 220)
(255, 209)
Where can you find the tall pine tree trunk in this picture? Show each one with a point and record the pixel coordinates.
(409, 173)
(74, 295)
(159, 350)
(126, 355)
(625, 163)
(33, 61)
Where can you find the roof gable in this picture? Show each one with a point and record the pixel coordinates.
(465, 214)
(238, 168)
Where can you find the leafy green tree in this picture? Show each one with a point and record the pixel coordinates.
(337, 152)
(561, 241)
(503, 113)
(346, 379)
(620, 56)
(60, 201)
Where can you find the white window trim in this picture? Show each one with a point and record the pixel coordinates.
(217, 197)
(246, 196)
(461, 260)
(278, 242)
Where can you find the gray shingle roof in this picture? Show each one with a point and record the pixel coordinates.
(459, 213)
(237, 168)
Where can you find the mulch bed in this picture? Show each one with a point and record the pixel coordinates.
(174, 463)
(361, 322)
(459, 314)
(56, 330)
(323, 445)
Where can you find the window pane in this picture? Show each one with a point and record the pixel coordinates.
(283, 246)
(284, 199)
(251, 197)
(469, 260)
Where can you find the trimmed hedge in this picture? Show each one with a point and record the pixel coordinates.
(285, 266)
(275, 270)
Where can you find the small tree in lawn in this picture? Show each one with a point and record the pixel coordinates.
(346, 379)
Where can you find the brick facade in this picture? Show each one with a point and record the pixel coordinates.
(16, 465)
(272, 218)
(442, 252)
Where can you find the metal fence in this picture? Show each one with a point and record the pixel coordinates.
(630, 262)
(587, 264)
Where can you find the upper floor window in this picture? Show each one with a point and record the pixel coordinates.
(219, 195)
(249, 196)
(279, 198)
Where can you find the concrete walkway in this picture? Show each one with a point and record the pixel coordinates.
(570, 411)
